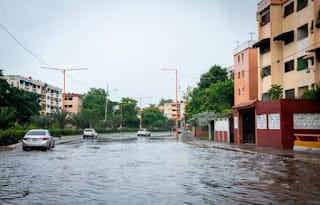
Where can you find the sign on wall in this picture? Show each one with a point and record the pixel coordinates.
(306, 120)
(235, 122)
(274, 121)
(262, 121)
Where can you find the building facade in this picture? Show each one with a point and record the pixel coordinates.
(289, 46)
(50, 96)
(245, 73)
(73, 103)
(288, 56)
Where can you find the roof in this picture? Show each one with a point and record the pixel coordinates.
(244, 105)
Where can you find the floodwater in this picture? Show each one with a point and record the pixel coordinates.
(152, 171)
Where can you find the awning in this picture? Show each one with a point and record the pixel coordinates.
(308, 56)
(244, 105)
(314, 49)
(286, 36)
(262, 43)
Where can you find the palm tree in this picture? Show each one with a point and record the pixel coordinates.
(61, 118)
(7, 117)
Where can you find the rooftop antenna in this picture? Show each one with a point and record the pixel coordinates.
(251, 34)
(237, 42)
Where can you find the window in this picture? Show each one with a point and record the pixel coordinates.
(266, 71)
(288, 9)
(242, 73)
(303, 32)
(239, 91)
(289, 94)
(242, 56)
(265, 97)
(302, 4)
(289, 66)
(238, 74)
(238, 58)
(265, 18)
(301, 90)
(302, 64)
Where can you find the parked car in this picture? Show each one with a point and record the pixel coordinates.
(143, 132)
(38, 138)
(89, 132)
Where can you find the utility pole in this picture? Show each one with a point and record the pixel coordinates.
(106, 108)
(177, 101)
(140, 110)
(64, 79)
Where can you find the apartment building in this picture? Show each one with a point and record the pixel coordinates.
(245, 73)
(289, 46)
(73, 103)
(50, 99)
(170, 110)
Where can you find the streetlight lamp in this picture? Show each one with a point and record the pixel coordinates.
(177, 118)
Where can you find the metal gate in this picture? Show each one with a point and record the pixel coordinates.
(248, 123)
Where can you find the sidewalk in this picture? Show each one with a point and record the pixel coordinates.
(307, 157)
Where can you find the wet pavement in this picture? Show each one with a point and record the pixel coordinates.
(124, 169)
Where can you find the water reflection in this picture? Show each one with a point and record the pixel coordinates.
(152, 171)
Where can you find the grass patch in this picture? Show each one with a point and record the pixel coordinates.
(206, 137)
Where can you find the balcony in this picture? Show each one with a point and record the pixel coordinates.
(265, 3)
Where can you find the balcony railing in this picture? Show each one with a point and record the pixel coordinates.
(263, 4)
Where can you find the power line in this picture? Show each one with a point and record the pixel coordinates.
(23, 46)
(34, 55)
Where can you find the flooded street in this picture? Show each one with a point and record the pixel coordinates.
(152, 171)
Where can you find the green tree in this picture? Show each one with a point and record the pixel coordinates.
(60, 118)
(215, 74)
(42, 121)
(275, 92)
(80, 120)
(25, 103)
(313, 94)
(129, 111)
(7, 117)
(95, 100)
(153, 117)
(213, 93)
(94, 103)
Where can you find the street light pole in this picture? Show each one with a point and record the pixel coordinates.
(64, 80)
(140, 110)
(106, 107)
(177, 101)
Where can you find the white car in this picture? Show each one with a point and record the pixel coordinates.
(143, 132)
(38, 138)
(89, 132)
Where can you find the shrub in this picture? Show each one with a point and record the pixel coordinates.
(10, 136)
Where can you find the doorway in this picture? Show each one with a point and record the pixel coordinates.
(248, 126)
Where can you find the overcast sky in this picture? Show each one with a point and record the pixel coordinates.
(123, 43)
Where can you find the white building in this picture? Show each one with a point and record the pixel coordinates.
(50, 99)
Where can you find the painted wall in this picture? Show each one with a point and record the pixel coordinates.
(198, 132)
(278, 128)
(221, 130)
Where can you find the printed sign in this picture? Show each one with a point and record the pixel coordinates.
(235, 122)
(262, 121)
(306, 120)
(274, 121)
